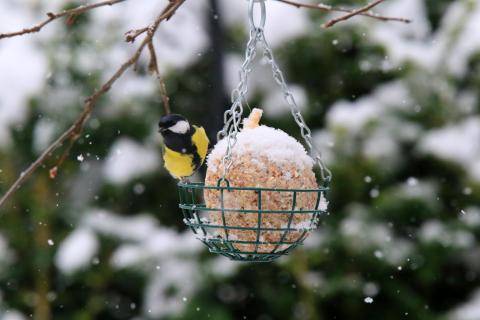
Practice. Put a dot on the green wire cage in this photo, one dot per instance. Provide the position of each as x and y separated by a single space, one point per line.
217 236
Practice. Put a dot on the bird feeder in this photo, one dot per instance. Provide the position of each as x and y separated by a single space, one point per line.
260 198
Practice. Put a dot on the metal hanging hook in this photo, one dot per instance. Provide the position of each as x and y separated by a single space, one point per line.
263 14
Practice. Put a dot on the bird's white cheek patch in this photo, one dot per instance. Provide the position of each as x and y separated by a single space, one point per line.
180 127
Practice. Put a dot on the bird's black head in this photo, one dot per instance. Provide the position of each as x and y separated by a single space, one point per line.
174 123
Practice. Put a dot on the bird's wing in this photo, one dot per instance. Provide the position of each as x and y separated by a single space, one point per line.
201 141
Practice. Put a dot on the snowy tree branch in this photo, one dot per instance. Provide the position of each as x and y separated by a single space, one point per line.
364 11
70 14
74 131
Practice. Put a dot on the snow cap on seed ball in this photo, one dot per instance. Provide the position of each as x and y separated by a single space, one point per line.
260 140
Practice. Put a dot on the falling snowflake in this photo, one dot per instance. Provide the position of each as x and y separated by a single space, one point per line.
368 300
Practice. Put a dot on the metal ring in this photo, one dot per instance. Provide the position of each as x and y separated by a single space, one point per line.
263 14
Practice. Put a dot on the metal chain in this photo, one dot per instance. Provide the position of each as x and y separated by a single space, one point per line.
305 131
232 117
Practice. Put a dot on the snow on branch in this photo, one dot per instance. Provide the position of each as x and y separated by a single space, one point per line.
350 13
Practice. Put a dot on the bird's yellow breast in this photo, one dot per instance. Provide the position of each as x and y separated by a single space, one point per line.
183 164
178 164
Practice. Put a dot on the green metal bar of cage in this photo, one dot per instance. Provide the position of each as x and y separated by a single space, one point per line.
230 188
186 212
255 211
216 226
259 218
290 218
251 242
223 213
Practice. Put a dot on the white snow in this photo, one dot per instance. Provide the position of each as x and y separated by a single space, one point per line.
371 122
235 12
471 217
178 42
436 231
174 257
449 48
180 275
128 159
374 108
260 79
361 234
76 251
22 76
418 189
469 310
168 258
275 105
353 116
130 228
275 144
371 289
167 242
381 146
323 204
432 231
43 134
220 267
129 89
459 143
12 315
128 256
6 254
468 42
406 42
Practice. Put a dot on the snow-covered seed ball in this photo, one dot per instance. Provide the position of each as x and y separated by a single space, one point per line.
263 157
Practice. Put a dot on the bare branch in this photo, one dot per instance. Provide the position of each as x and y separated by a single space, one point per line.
70 14
329 8
131 35
356 12
73 133
153 67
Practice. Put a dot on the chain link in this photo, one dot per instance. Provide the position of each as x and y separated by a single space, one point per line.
233 116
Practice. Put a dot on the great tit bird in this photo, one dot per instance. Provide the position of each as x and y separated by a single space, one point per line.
185 145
